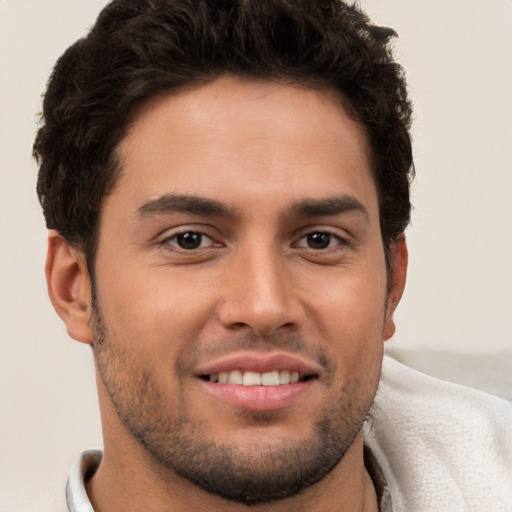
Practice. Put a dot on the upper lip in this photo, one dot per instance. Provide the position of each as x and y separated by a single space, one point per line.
260 362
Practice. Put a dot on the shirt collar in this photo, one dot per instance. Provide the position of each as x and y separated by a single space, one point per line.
379 481
81 471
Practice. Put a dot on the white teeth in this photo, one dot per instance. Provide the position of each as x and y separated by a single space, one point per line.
270 378
252 379
235 377
284 377
273 378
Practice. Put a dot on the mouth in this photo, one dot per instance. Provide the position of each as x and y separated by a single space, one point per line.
252 378
262 382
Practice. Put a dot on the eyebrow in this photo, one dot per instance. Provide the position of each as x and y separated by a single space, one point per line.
171 203
328 206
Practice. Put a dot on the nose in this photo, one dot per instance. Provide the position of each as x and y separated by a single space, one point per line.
260 294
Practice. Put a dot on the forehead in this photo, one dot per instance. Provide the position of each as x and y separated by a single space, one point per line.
233 139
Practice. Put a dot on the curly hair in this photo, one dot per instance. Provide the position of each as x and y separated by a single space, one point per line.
140 48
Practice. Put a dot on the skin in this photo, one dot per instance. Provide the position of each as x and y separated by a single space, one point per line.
256 285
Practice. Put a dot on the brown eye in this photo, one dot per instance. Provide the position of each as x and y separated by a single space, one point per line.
319 240
190 240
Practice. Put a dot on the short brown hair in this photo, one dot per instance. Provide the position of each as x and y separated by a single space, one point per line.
140 48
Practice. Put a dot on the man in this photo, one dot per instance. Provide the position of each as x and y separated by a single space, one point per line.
227 188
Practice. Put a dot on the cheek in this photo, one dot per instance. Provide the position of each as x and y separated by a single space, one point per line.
154 311
351 301
351 322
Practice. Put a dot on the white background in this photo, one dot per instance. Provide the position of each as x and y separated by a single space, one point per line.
457 54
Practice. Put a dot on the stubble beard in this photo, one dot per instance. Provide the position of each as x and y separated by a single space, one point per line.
180 445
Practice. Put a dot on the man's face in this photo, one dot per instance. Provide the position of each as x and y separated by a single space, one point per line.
242 246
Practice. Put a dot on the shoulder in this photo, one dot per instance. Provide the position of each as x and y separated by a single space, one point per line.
442 446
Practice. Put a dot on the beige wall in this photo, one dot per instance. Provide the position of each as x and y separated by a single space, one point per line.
457 54
459 296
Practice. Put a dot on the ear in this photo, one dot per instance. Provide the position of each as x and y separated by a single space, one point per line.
69 287
398 262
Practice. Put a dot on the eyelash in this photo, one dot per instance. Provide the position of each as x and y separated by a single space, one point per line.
168 240
200 236
340 241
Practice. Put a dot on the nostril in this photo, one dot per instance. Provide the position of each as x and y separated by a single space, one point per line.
239 325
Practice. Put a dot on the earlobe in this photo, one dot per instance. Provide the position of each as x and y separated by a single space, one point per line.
69 287
399 260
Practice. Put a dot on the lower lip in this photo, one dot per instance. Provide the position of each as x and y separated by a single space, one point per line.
259 398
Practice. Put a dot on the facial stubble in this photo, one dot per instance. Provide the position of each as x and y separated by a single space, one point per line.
253 474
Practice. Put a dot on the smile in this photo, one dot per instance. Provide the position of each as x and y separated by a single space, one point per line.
260 381
250 378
